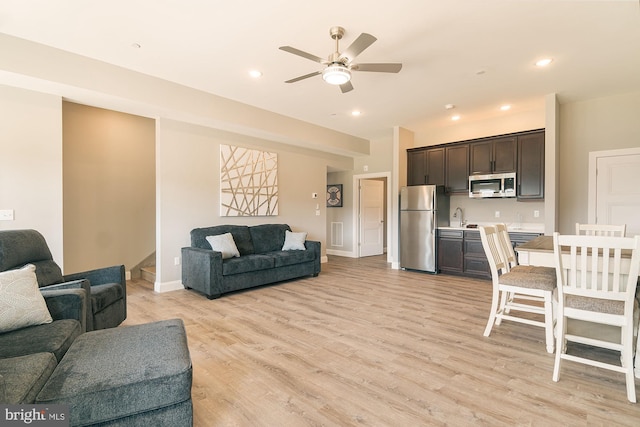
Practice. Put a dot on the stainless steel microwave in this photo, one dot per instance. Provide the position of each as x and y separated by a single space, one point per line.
492 185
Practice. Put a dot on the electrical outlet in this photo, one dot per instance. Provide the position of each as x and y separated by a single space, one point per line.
317 213
497 214
536 214
176 261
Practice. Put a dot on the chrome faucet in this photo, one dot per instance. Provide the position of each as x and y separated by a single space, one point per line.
458 214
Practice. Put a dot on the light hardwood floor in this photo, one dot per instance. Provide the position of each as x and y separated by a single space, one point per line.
366 345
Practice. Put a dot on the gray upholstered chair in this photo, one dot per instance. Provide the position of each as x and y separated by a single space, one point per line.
105 287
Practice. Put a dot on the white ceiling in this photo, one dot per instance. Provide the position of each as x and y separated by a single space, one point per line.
475 54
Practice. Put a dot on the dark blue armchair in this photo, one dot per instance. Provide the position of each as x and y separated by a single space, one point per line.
105 287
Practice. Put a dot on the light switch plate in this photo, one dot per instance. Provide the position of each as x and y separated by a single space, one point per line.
6 215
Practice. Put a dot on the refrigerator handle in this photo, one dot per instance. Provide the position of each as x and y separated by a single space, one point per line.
433 225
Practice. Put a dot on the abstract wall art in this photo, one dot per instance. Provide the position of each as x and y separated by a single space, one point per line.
248 182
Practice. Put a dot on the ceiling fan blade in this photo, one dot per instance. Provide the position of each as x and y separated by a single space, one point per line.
363 41
379 68
347 87
306 76
303 54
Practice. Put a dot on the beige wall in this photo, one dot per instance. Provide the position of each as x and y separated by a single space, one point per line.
31 163
109 188
607 123
188 174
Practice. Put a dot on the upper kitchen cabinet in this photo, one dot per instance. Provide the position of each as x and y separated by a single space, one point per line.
496 155
530 174
425 166
457 168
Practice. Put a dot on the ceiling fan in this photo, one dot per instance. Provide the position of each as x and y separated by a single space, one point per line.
339 65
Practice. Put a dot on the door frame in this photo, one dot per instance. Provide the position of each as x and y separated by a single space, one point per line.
592 206
357 214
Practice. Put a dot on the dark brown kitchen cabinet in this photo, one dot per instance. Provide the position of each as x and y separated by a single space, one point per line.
460 252
496 155
425 166
530 174
450 251
457 168
475 260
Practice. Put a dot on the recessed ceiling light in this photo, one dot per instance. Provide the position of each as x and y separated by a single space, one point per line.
136 45
454 118
255 74
544 62
505 107
449 106
356 113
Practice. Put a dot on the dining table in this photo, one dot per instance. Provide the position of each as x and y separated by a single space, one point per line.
539 251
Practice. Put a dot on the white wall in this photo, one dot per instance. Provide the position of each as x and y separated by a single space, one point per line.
187 189
31 163
606 123
378 163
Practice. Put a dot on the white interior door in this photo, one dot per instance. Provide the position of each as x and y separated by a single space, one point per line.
617 198
371 217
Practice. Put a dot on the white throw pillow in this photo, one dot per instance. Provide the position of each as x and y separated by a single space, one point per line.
224 243
294 241
21 303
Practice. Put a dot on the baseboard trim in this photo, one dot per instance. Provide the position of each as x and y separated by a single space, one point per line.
168 286
341 253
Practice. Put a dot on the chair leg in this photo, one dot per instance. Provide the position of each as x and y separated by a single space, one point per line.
548 322
627 362
492 314
560 348
504 308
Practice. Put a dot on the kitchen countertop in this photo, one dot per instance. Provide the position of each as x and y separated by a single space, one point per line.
525 228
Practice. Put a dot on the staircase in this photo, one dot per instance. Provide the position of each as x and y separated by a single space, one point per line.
148 273
146 269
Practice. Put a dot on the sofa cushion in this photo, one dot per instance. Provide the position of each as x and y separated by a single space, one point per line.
240 233
246 263
104 295
121 372
55 337
22 377
282 258
21 303
268 237
294 241
224 244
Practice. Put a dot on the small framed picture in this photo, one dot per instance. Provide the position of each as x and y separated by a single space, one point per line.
334 196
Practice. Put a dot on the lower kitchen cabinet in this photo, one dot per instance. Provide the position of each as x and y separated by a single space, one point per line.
450 251
460 252
475 261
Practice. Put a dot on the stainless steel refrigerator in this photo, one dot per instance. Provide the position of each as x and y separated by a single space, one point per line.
423 208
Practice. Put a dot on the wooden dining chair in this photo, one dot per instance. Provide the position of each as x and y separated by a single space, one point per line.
597 284
517 291
601 229
512 259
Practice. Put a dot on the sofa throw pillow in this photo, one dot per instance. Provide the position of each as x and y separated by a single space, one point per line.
294 241
21 303
224 243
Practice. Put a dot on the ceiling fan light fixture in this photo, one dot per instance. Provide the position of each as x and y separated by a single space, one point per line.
336 75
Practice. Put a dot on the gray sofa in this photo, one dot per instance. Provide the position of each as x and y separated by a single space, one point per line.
125 376
262 260
28 356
